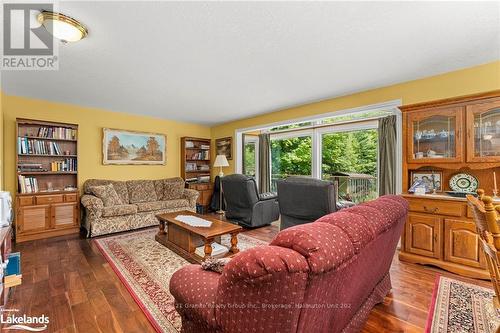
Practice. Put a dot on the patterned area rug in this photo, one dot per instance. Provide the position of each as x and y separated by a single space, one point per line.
145 267
460 307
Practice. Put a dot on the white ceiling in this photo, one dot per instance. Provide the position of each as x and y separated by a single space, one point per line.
213 62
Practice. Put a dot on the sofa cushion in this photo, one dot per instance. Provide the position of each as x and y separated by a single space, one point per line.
120 187
173 188
159 205
141 191
359 230
159 188
119 210
107 194
325 246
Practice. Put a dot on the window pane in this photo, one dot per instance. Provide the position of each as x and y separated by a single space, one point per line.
351 158
249 159
291 156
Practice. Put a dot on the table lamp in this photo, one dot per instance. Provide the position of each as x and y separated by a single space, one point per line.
221 161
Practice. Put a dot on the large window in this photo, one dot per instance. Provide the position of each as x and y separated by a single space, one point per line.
291 155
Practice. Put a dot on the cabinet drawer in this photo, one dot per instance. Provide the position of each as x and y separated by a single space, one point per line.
70 197
437 207
25 201
48 199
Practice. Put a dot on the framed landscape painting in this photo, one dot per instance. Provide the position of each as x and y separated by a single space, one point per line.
224 146
129 147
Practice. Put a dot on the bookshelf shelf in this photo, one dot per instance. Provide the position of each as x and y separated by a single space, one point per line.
47 199
47 155
48 139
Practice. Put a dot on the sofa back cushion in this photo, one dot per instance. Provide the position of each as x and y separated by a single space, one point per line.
141 191
107 194
173 188
119 186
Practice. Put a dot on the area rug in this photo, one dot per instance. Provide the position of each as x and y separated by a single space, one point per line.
460 307
145 267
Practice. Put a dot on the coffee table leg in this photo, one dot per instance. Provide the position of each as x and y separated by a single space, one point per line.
208 248
162 228
234 243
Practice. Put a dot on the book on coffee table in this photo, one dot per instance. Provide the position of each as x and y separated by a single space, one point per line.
217 250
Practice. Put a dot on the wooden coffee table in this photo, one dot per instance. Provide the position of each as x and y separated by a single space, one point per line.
183 239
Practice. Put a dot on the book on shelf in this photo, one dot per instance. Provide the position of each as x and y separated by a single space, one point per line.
28 184
57 133
28 146
27 167
202 155
69 164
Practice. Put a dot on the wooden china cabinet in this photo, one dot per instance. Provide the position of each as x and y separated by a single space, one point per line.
448 137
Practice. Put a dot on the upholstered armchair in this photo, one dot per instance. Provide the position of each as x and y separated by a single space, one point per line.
244 204
305 199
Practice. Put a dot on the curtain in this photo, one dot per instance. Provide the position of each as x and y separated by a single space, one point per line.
243 157
387 155
264 163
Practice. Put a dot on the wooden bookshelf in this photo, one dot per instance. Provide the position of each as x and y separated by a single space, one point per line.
47 199
196 163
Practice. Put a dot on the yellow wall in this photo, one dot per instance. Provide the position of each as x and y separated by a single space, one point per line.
91 121
467 81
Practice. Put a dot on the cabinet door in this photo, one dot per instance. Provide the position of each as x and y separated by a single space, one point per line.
33 218
462 244
483 132
423 235
435 135
64 215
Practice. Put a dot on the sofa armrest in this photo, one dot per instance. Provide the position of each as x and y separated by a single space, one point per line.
268 196
195 293
92 204
191 195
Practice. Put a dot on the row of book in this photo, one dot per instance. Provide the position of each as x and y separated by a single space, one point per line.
28 184
202 155
31 146
69 164
57 133
191 144
30 167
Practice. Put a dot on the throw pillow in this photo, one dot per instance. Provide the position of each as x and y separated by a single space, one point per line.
173 188
107 194
141 191
215 264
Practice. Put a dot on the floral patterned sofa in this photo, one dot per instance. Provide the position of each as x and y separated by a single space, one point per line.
133 204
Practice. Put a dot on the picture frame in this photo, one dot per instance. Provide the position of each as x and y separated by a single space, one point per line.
126 147
425 178
224 146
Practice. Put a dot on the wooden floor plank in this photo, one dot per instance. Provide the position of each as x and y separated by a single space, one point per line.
68 279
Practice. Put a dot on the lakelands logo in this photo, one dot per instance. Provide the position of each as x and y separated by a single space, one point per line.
26 43
11 321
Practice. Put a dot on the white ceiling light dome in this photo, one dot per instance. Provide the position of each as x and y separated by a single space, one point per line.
62 27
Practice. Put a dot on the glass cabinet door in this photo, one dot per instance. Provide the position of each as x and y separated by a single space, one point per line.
483 132
434 136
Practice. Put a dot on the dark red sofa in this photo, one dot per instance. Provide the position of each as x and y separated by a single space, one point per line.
324 276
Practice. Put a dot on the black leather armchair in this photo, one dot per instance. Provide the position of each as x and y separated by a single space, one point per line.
305 199
245 205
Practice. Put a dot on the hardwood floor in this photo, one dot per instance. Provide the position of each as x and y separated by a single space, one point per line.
67 279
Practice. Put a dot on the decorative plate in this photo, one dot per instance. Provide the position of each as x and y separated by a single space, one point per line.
463 182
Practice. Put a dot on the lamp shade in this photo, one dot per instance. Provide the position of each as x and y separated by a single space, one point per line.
221 161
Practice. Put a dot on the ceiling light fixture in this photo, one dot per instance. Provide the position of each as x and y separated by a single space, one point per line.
62 27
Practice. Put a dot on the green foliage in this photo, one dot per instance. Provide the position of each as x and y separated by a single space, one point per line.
345 151
249 159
